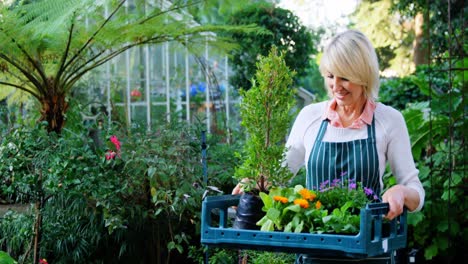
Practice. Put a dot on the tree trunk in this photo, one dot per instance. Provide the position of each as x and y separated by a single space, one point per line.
420 49
54 107
38 222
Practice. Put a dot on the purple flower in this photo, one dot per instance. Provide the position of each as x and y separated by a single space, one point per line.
335 182
368 191
352 185
376 197
343 173
324 184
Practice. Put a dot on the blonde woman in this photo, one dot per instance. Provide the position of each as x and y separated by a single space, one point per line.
352 134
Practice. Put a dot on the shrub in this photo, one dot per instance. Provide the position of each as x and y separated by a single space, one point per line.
99 200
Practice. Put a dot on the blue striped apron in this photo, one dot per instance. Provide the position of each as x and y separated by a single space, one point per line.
352 160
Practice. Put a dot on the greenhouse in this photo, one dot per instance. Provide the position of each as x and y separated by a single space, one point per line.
232 131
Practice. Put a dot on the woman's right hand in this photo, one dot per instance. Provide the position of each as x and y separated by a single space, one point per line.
239 189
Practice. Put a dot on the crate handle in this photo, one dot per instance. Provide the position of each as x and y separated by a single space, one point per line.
378 208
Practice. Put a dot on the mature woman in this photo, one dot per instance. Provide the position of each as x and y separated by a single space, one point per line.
351 133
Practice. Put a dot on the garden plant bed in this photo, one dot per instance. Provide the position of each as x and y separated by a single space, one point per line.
376 235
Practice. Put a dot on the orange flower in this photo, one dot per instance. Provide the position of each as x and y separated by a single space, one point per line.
281 199
302 203
318 204
307 194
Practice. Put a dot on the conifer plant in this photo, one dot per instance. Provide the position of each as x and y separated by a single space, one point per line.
266 112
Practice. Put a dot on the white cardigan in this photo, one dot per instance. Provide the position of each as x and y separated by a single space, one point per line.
393 143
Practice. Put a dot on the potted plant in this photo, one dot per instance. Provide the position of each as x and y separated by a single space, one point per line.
266 115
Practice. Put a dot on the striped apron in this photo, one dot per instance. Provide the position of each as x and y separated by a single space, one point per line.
353 160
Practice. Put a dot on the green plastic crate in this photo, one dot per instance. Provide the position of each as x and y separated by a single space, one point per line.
376 237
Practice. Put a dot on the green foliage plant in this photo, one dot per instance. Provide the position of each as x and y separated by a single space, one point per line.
437 128
286 33
97 205
266 116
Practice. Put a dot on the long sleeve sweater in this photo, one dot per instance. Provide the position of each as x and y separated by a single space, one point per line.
393 143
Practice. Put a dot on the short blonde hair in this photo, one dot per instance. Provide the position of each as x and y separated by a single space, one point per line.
351 55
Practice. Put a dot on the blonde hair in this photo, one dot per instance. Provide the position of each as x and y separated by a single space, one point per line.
351 55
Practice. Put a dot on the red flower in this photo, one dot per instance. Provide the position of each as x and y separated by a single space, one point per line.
116 142
110 155
135 93
43 261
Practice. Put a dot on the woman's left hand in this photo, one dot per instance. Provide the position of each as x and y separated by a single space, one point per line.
395 196
400 196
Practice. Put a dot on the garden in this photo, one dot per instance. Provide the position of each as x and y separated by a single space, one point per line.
119 119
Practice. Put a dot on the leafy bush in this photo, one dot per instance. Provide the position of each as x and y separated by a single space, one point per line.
438 130
287 34
97 206
399 92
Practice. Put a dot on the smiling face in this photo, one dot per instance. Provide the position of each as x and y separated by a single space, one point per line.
344 91
350 55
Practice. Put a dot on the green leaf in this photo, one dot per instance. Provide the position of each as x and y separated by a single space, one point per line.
151 172
415 218
294 207
262 221
273 214
267 200
431 251
326 219
346 206
299 227
171 245
6 259
179 248
268 226
298 188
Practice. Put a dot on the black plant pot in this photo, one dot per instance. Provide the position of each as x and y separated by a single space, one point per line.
249 212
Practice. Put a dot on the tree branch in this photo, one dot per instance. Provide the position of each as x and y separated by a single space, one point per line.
26 73
21 88
94 62
65 54
37 66
76 55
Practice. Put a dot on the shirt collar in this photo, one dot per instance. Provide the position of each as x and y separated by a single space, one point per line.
365 117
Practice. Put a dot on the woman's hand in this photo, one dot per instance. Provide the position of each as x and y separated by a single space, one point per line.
399 196
239 189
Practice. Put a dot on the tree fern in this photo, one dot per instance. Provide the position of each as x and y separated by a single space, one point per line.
49 45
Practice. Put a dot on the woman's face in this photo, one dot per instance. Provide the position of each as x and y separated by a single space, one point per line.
344 91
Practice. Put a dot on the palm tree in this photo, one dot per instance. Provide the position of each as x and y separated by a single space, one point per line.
47 46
